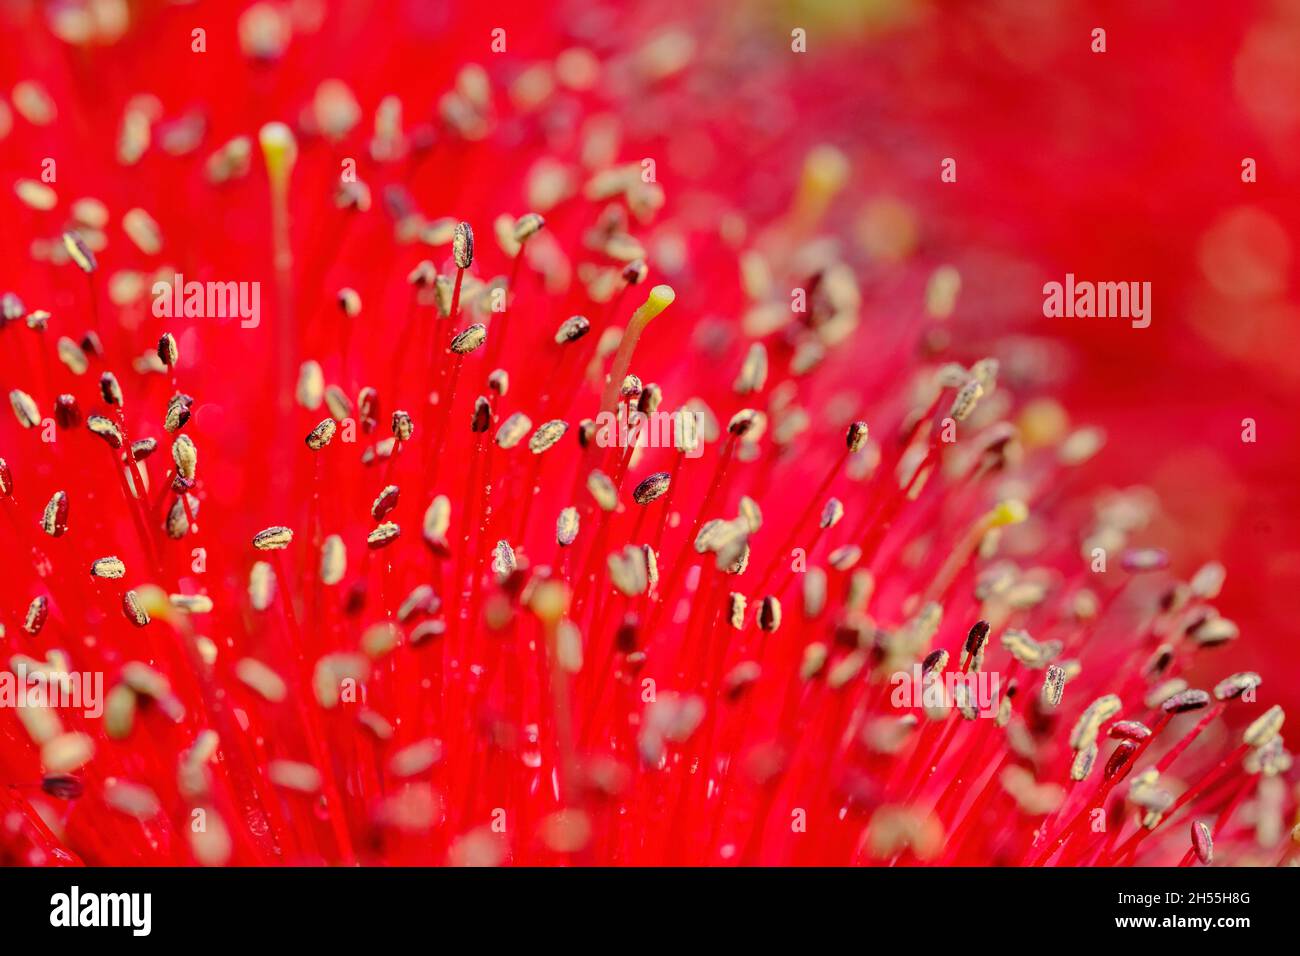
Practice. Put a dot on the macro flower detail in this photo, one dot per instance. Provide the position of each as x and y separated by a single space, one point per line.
868 603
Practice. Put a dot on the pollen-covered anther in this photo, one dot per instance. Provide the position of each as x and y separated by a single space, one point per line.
54 521
1133 730
294 775
261 585
1053 686
437 519
426 632
381 450
856 437
1213 631
63 786
6 479
66 753
72 355
368 408
423 275
349 302
421 601
1119 759
38 320
976 637
1207 582
462 245
527 226
79 252
185 456
333 560
1083 762
1202 842
416 758
1235 685
382 536
848 667
178 413
572 329
512 431
1185 702
168 352
965 400
38 612
1265 727
844 557
110 389
322 434
935 662
470 339
11 308
651 488
736 605
1157 695
603 490
32 194
747 423
403 427
753 371
384 502
25 409
547 434
337 402
832 513
1090 721
481 418
636 272
750 513
628 572
566 527
191 603
143 230
504 562
67 413
275 538
310 390
134 610
985 371
444 291
177 524
110 568
769 614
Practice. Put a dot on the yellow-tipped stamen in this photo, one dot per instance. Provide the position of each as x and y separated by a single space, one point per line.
1003 514
825 171
280 152
660 297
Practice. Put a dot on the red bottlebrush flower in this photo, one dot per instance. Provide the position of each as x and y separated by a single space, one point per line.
701 534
